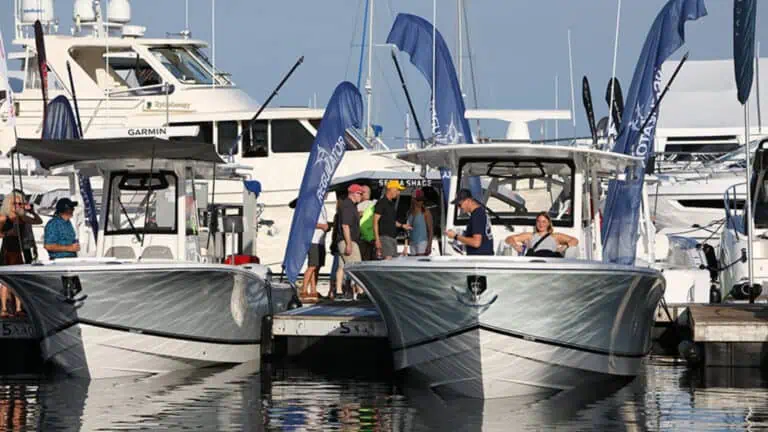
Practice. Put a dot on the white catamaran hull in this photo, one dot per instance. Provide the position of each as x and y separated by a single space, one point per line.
528 329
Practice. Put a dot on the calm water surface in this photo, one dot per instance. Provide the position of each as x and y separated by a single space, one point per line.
666 397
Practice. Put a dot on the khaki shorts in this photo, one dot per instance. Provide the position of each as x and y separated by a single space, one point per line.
355 257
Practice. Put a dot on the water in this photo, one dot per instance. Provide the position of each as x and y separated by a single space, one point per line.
666 397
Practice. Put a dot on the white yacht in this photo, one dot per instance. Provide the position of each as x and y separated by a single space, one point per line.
501 326
129 85
150 301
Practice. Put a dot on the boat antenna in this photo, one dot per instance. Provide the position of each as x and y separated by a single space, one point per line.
277 89
570 68
664 92
362 44
458 45
369 79
757 83
408 97
557 106
74 99
613 70
213 40
186 19
471 63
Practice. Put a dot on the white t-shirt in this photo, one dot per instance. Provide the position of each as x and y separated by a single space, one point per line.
363 205
319 236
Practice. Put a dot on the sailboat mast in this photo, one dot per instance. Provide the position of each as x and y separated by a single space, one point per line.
459 8
368 81
613 70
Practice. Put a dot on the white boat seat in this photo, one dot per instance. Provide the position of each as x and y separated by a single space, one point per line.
157 252
121 252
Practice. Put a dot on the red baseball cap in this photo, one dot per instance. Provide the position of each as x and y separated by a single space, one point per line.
355 188
418 194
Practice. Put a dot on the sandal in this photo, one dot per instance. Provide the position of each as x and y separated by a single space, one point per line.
5 314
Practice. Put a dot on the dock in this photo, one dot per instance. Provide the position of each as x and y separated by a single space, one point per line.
20 345
729 335
338 323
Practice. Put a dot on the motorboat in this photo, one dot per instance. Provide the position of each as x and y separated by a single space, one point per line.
151 301
130 85
733 249
503 326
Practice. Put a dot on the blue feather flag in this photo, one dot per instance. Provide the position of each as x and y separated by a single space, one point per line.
413 35
60 123
344 111
622 207
744 15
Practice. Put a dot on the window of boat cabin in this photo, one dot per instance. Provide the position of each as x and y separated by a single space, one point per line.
255 139
517 190
121 71
186 67
138 205
32 80
228 136
290 136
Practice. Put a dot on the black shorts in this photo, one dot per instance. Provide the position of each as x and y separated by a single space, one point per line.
316 255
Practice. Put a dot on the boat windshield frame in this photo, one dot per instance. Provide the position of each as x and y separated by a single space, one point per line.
167 180
566 217
192 69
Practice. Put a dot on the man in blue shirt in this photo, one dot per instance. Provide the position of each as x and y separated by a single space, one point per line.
478 237
60 239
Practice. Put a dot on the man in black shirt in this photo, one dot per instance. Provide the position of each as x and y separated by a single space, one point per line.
478 237
385 222
349 235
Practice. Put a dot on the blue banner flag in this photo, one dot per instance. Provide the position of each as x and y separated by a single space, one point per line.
344 111
744 14
413 35
622 206
60 123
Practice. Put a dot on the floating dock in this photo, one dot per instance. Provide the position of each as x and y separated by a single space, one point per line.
298 330
729 335
20 345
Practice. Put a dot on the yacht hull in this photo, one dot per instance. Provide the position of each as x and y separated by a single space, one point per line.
529 329
134 319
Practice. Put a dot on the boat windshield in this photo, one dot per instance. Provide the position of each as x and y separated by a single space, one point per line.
517 190
186 67
140 206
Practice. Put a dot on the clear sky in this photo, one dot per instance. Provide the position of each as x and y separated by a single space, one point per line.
518 47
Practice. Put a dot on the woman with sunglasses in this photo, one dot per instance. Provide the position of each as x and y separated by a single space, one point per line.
419 240
15 216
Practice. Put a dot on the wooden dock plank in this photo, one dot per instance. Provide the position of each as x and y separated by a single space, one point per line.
729 323
334 319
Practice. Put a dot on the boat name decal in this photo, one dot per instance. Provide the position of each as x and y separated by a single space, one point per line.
331 160
147 131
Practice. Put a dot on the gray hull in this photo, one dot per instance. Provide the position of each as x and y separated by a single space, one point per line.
536 328
130 318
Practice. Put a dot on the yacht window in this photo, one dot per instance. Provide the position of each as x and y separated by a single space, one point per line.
255 142
708 203
197 52
517 190
290 136
205 134
33 77
109 72
186 67
227 131
128 212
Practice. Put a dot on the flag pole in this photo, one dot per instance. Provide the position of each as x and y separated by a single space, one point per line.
748 207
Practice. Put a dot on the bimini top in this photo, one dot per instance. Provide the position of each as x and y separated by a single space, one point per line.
448 156
56 153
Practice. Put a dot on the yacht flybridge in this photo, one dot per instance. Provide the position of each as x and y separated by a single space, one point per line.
128 86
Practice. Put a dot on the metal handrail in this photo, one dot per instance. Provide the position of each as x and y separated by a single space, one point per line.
731 218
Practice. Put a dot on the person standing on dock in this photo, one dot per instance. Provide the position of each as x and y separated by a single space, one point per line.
366 208
349 248
478 237
316 259
59 238
16 217
385 222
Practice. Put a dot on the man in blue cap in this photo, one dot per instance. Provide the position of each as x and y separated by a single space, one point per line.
60 239
478 237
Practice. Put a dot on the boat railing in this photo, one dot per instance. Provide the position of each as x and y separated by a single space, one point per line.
733 219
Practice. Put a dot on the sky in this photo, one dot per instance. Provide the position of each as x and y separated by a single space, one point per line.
518 49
